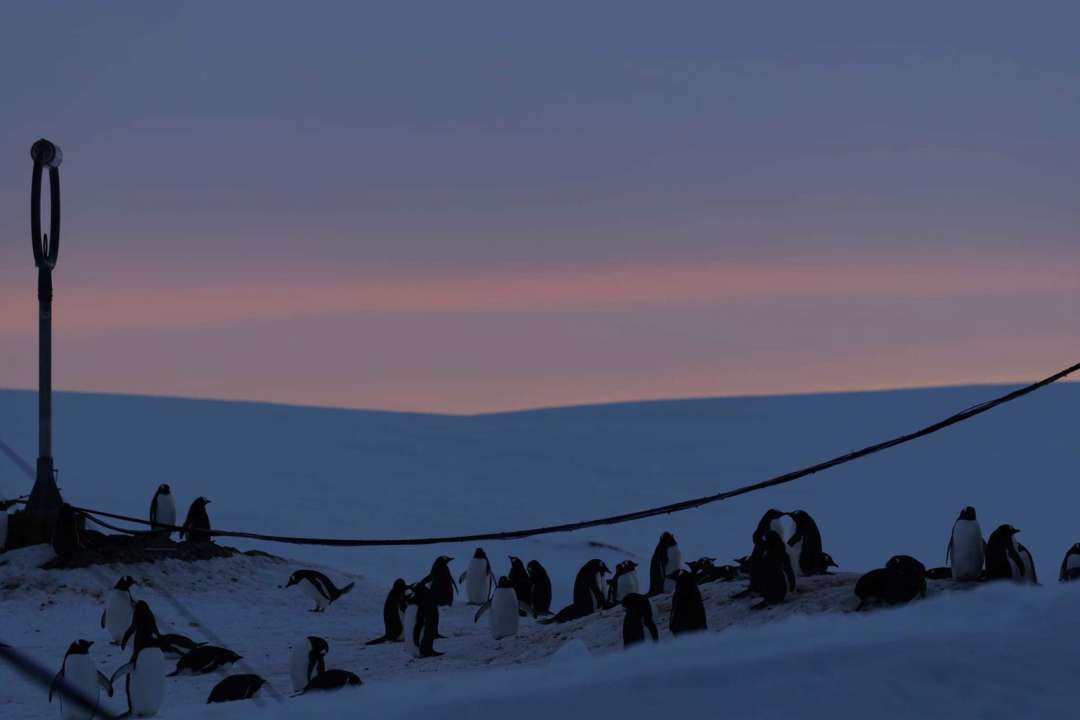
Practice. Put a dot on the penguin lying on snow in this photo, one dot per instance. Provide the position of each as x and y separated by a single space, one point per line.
638 619
205 659
197 524
119 607
79 675
966 550
236 687
318 587
901 580
705 570
541 588
331 680
588 595
503 605
393 614
1070 565
666 559
687 608
623 582
307 660
441 582
477 578
1003 558
178 644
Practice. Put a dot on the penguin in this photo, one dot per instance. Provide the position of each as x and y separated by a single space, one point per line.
477 579
441 582
204 659
1070 565
901 580
235 687
331 680
522 584
638 618
163 508
119 605
393 614
144 674
1002 556
177 644
771 574
806 545
503 605
421 622
1028 575
78 674
666 559
143 628
687 607
541 588
966 550
307 660
318 587
771 520
197 524
623 583
588 596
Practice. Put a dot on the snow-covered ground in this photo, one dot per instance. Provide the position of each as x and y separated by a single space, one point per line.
995 652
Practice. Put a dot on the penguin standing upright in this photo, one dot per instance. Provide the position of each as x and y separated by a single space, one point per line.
966 550
144 674
1070 564
588 593
119 606
771 574
1027 572
197 523
441 582
163 508
421 622
393 614
1002 556
318 587
307 660
805 544
79 674
624 582
503 617
522 584
771 520
687 607
541 588
638 618
666 559
477 579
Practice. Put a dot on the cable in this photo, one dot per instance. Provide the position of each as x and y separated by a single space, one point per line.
959 417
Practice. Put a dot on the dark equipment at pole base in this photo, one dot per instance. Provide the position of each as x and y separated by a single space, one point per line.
44 505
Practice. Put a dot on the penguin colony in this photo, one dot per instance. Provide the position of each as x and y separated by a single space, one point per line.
411 611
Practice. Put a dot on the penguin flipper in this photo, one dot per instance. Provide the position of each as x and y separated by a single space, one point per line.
105 684
378 641
483 608
121 671
54 683
103 613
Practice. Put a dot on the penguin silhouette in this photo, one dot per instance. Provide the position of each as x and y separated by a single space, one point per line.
178 644
522 584
623 582
332 680
807 539
1070 564
687 607
197 523
236 687
588 595
638 619
666 559
393 614
119 609
966 552
163 508
441 582
318 587
143 629
425 621
771 574
204 659
477 578
541 588
901 580
1003 558
79 683
307 660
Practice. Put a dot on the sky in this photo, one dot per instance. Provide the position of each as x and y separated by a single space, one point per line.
490 206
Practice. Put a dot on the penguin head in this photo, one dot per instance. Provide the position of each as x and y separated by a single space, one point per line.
480 554
228 656
351 678
599 566
1009 530
443 560
164 489
318 645
535 567
667 540
515 560
399 586
967 513
827 559
630 565
80 647
200 502
1075 549
796 515
125 583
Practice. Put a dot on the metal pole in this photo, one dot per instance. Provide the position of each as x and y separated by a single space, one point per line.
44 503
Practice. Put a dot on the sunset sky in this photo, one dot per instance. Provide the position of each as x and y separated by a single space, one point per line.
486 206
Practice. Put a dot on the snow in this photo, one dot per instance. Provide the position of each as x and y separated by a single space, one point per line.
344 473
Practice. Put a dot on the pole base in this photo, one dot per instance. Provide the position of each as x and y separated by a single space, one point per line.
45 501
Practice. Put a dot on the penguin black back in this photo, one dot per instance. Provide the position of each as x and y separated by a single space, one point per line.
197 524
657 567
520 580
162 489
765 524
638 619
426 628
1070 564
393 608
771 574
1000 549
441 581
205 659
143 627
812 561
332 680
236 687
541 588
687 607
588 592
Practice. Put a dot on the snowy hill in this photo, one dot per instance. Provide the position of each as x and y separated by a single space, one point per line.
321 472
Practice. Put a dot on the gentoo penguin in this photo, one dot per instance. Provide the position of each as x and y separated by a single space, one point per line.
687 608
307 660
771 574
771 520
393 614
441 582
623 583
144 674
1028 575
119 605
806 544
966 549
522 584
421 622
503 606
901 580
143 628
197 524
1002 556
666 559
1070 565
79 683
477 579
236 687
638 618
163 508
204 659
178 644
541 589
318 587
331 680
588 595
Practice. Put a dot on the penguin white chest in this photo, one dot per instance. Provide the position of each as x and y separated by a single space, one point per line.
166 510
411 648
81 673
313 592
671 564
298 666
147 683
503 616
967 550
118 612
1029 566
628 583
476 581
